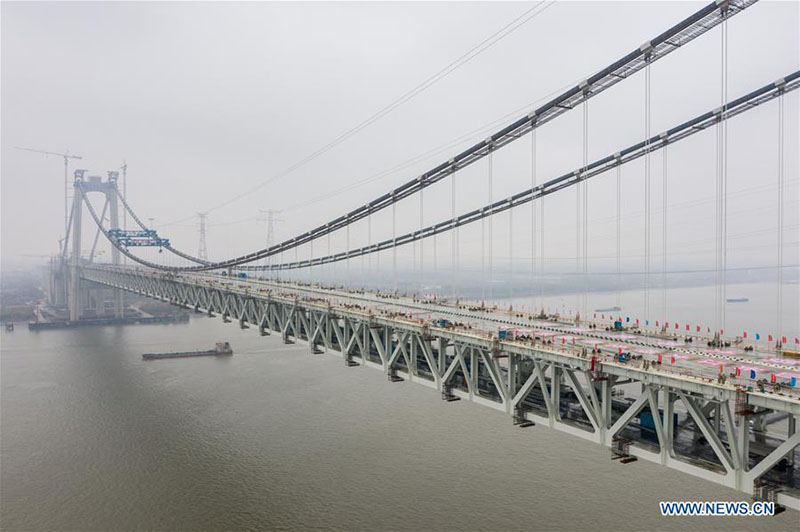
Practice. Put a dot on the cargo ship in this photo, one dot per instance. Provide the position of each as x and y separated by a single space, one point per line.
222 349
609 309
85 322
737 299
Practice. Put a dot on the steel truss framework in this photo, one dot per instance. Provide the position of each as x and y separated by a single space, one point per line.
539 384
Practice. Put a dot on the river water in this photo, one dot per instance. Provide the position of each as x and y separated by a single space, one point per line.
94 438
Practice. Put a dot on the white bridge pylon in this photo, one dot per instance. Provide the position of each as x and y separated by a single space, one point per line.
83 186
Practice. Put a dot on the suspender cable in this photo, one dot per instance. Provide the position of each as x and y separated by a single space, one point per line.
369 242
510 254
421 244
489 228
724 168
664 234
718 229
541 255
454 237
578 241
533 223
585 232
619 230
332 270
781 150
394 246
435 259
483 257
647 96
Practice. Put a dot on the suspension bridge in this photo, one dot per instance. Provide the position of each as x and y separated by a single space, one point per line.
704 400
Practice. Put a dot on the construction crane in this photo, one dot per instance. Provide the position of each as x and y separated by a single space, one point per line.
67 156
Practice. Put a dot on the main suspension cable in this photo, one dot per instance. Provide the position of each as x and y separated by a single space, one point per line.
676 37
684 130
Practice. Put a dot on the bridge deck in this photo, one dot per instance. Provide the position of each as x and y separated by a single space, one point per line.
730 430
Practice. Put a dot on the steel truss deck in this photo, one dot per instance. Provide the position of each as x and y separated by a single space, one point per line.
543 384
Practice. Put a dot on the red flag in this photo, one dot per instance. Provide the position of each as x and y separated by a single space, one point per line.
769 337
783 339
738 371
656 323
698 328
772 378
659 359
720 369
676 324
666 325
796 340
672 360
637 321
619 350
745 335
687 326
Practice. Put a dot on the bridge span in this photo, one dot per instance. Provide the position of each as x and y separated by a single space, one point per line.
642 396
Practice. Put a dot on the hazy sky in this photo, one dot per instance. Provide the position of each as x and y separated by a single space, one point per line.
206 100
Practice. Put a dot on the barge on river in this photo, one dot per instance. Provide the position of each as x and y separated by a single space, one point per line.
222 349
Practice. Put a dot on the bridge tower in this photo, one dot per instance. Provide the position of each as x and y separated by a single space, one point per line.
78 294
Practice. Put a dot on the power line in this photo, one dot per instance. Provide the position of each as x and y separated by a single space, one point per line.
473 52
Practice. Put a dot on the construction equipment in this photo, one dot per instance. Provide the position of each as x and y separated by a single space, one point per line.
66 157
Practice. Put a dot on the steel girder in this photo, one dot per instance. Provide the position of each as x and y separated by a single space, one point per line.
545 385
